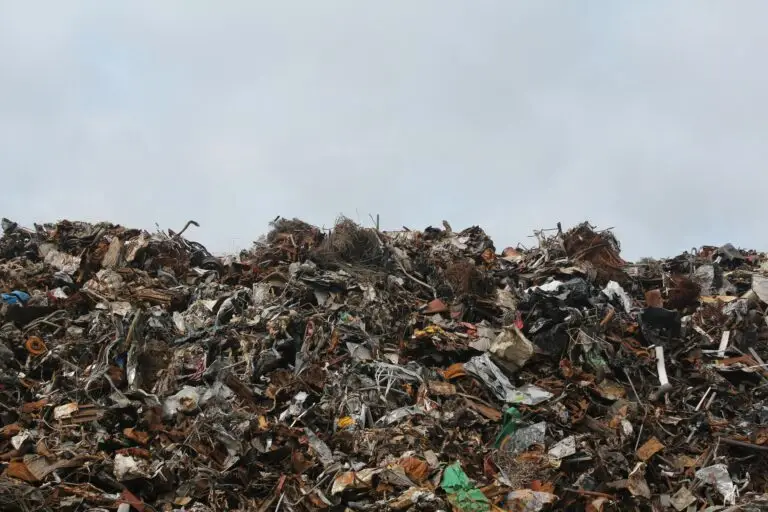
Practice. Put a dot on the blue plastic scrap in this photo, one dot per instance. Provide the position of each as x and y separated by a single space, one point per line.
15 297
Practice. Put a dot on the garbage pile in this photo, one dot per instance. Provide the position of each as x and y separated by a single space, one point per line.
356 369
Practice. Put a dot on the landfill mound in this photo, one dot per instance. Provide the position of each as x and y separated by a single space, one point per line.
356 369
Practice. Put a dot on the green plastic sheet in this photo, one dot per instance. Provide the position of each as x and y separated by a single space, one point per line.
461 493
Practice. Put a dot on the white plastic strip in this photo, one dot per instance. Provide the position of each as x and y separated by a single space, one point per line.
660 366
723 343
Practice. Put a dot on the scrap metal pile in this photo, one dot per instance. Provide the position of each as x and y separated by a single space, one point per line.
355 369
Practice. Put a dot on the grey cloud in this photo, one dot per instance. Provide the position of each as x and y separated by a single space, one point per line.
512 115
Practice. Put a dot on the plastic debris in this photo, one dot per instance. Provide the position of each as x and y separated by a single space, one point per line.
512 346
129 468
613 290
15 297
464 496
186 400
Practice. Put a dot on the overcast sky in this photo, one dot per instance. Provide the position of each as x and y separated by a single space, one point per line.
649 116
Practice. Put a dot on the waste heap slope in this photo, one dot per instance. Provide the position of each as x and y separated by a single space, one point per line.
357 369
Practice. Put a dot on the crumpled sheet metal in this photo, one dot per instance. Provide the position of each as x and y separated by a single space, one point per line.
524 438
485 370
718 477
